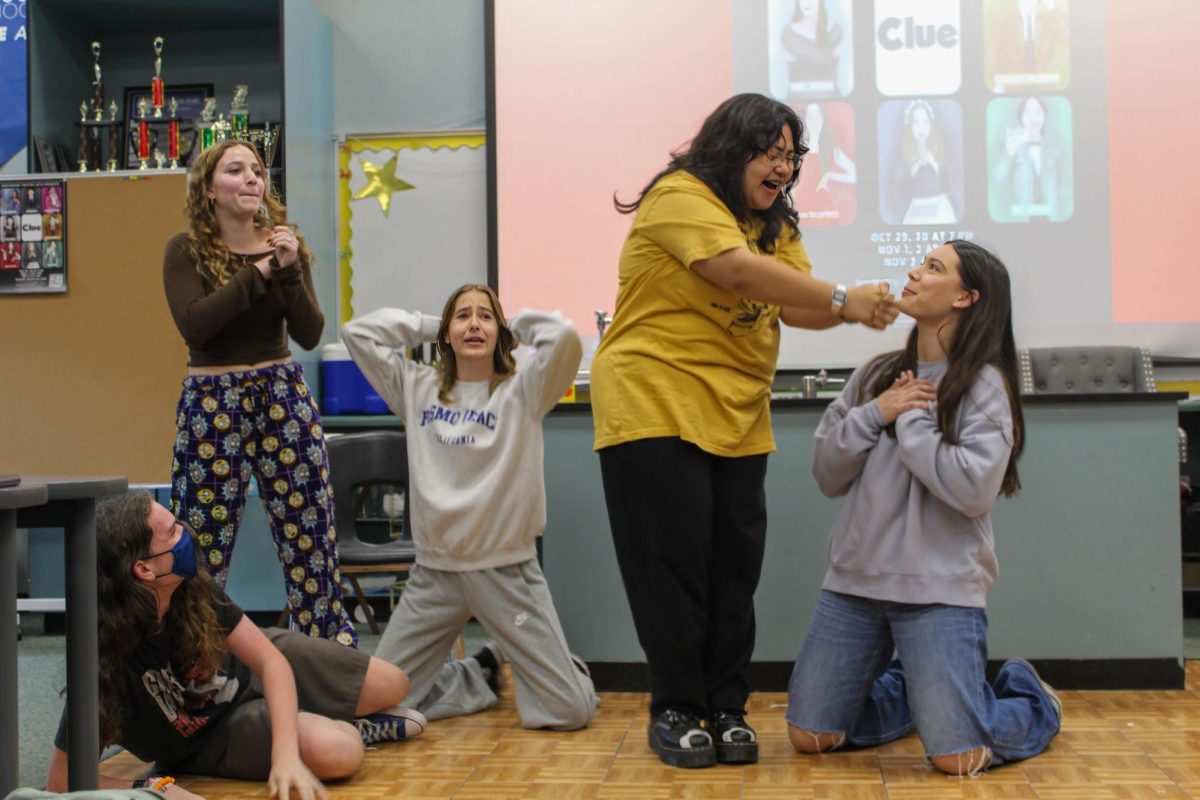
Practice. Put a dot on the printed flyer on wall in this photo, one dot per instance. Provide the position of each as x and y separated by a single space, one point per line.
33 249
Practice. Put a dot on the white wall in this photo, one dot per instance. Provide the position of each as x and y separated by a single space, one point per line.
407 65
403 66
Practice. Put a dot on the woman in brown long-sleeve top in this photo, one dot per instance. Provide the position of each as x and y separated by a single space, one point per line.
238 283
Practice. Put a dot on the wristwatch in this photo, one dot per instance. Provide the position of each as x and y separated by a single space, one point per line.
838 301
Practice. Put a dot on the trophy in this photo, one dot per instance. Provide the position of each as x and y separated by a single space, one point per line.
239 112
97 84
143 134
267 138
220 129
83 136
158 158
156 85
114 136
206 123
173 134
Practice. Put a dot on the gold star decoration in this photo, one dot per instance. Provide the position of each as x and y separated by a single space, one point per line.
381 182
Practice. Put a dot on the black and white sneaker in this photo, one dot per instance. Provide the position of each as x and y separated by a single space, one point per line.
393 724
733 738
680 741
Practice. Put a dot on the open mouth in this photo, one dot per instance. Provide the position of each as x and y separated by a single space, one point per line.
772 185
479 340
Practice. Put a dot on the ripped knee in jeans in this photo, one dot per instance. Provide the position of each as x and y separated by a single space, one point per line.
970 762
812 742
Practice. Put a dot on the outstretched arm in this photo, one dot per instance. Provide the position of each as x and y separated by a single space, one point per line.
763 278
250 646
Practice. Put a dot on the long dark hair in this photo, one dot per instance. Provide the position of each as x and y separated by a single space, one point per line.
984 336
502 358
741 128
128 608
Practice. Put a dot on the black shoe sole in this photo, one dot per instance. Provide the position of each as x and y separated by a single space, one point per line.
685 759
737 752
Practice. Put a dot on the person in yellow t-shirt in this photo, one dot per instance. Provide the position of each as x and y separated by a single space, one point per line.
681 389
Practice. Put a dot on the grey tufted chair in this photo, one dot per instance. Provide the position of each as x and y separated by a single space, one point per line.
1063 370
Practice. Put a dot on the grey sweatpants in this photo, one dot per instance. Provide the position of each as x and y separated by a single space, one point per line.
513 603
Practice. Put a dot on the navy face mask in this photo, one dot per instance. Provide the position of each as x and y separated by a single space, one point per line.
185 556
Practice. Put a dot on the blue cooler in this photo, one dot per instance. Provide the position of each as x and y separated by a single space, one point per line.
344 390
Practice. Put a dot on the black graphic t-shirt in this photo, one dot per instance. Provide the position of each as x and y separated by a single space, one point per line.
169 710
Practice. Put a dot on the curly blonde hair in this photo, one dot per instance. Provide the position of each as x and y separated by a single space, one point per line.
211 254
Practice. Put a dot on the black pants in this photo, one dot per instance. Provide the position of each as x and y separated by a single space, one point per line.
689 529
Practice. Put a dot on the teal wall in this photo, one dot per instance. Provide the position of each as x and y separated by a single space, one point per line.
1089 551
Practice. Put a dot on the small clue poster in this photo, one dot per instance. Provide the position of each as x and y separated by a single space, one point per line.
33 249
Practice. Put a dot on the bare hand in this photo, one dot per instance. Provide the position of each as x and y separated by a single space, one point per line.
286 244
907 393
291 774
871 305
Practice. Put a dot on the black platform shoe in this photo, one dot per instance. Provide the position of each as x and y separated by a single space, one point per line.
680 741
733 738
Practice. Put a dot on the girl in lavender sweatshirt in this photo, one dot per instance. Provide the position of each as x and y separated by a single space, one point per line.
921 442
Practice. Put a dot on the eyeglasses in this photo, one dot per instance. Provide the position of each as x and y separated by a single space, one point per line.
776 154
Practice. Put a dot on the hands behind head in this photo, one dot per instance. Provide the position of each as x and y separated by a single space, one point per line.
907 393
872 305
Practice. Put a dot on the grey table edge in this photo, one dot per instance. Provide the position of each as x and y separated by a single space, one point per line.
21 496
71 505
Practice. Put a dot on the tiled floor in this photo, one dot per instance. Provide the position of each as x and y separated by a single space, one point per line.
1114 746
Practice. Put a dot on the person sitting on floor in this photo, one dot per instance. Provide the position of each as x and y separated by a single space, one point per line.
188 681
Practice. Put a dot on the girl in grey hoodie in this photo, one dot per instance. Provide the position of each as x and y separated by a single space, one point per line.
921 442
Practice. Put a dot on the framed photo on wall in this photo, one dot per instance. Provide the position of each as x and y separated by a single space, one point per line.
191 102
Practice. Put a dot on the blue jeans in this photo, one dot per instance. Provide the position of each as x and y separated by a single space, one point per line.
847 681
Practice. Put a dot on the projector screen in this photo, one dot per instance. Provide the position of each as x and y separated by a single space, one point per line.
1058 134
